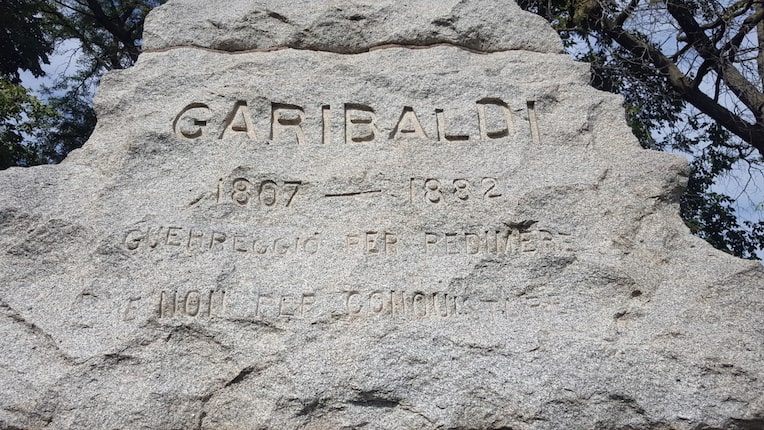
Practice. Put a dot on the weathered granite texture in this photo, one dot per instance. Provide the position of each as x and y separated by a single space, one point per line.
347 26
398 239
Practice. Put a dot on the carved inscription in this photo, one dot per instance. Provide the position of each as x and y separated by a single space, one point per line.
200 240
498 242
286 122
130 309
191 122
267 305
239 120
440 190
407 304
257 194
508 241
534 122
270 194
360 123
353 304
193 304
372 243
492 119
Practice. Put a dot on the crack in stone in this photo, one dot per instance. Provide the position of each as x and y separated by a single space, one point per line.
369 49
15 316
243 374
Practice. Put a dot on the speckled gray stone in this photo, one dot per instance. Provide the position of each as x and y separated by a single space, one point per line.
347 26
428 238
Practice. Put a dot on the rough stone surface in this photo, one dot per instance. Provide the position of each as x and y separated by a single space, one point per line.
347 26
302 239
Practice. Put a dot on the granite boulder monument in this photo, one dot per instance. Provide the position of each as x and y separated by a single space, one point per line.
366 214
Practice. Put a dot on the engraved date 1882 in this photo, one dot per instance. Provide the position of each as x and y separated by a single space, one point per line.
441 190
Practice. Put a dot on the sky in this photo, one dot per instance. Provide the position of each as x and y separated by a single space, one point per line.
62 62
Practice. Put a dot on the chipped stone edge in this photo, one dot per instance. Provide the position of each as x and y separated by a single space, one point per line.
366 50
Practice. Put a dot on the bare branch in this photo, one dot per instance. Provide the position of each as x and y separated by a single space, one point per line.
120 33
739 9
748 24
760 45
66 5
626 13
683 50
703 70
751 97
753 134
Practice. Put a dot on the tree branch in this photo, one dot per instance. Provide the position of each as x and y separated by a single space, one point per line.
739 7
760 44
703 70
72 8
626 13
120 33
753 134
751 97
748 24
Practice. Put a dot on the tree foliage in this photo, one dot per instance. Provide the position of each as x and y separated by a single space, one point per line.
692 76
107 34
24 44
20 112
